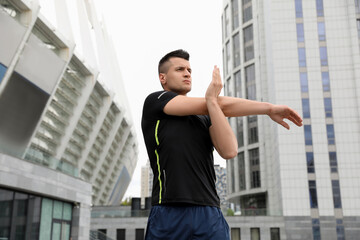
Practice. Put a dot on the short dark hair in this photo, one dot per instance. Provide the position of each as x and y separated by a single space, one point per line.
177 53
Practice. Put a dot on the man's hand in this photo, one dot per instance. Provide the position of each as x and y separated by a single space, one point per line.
279 112
215 86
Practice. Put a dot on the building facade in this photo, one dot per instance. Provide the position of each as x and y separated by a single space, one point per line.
220 184
304 54
146 182
66 135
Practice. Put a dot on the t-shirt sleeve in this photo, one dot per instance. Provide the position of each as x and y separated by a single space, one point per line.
154 104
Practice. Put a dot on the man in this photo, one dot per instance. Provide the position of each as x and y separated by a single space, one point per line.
180 134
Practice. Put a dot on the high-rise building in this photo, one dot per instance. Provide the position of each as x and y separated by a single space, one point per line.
146 182
220 184
66 136
304 54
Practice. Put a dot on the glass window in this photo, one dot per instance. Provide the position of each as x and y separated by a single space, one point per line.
328 107
250 82
340 232
325 81
120 234
227 21
316 232
240 131
238 87
67 213
248 43
241 170
255 233
336 193
235 14
58 209
247 10
228 87
323 56
6 203
254 168
306 107
304 82
330 133
310 162
275 233
46 219
236 49
232 174
313 195
302 57
2 71
298 8
357 6
235 234
358 27
333 161
252 130
321 31
20 213
139 234
308 135
228 58
300 32
319 8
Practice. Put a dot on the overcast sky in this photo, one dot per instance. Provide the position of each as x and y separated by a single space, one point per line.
143 31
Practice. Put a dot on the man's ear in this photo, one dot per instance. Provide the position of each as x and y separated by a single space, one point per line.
162 77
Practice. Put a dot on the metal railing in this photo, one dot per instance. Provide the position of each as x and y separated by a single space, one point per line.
96 235
120 213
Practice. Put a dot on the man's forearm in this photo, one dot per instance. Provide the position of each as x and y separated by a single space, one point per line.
236 107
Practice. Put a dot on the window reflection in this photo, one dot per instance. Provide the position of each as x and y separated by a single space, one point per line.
323 56
298 8
321 31
306 107
300 32
302 57
313 194
325 81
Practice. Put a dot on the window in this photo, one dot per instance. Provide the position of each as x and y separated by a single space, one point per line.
300 32
316 229
306 107
310 162
236 49
227 21
308 135
255 233
325 81
228 58
323 56
252 130
333 161
247 10
120 234
358 26
235 14
250 82
254 168
235 234
302 57
357 6
274 233
304 82
248 43
241 170
330 134
240 131
228 87
319 8
238 87
340 230
336 193
328 107
2 71
313 194
298 8
139 234
232 175
321 31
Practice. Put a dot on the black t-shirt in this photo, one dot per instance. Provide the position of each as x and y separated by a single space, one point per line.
181 154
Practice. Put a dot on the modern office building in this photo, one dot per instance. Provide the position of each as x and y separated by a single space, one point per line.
220 184
146 182
304 54
66 135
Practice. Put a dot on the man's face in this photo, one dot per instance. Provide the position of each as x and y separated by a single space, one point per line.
178 77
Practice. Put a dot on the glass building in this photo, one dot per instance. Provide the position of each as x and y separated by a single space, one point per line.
304 54
66 136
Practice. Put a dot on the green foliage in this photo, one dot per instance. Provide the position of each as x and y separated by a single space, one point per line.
230 212
126 202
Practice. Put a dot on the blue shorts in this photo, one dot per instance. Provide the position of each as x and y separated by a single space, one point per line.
186 223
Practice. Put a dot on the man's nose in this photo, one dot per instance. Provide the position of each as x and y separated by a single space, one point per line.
187 73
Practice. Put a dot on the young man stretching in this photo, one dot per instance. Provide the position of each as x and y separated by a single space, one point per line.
180 134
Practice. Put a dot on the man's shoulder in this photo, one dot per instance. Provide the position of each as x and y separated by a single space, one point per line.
158 95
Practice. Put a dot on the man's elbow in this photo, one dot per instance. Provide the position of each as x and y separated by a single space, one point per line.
229 154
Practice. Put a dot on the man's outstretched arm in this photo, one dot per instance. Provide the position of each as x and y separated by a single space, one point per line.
232 107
